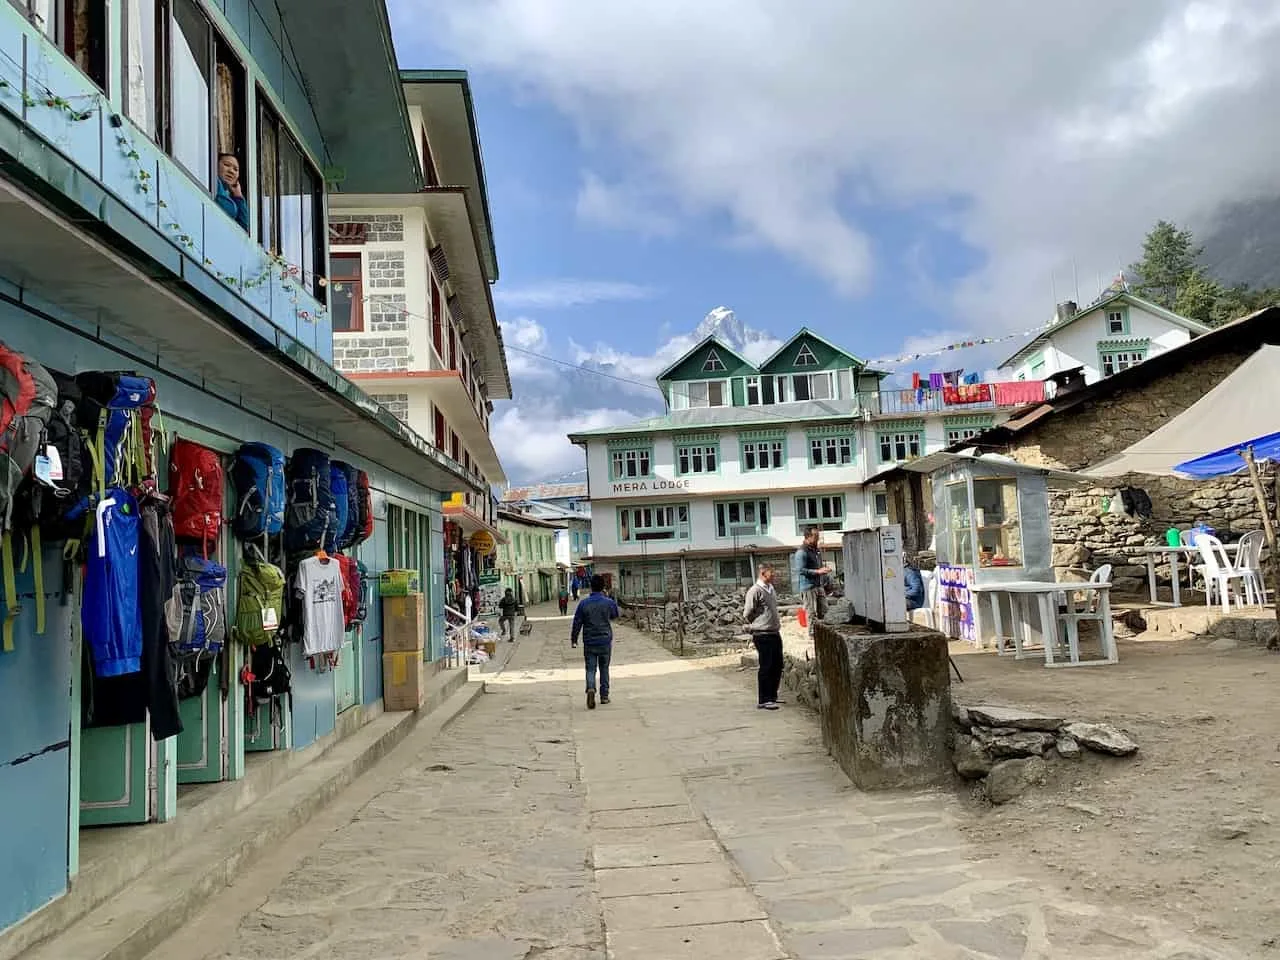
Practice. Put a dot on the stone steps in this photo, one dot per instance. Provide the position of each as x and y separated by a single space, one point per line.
182 871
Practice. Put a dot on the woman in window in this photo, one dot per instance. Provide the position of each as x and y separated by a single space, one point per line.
228 194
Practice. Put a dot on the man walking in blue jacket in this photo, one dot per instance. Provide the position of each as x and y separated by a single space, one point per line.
593 619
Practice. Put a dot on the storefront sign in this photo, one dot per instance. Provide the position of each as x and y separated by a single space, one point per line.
482 542
655 485
455 500
489 578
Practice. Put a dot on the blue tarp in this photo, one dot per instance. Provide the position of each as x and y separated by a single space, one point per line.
1228 461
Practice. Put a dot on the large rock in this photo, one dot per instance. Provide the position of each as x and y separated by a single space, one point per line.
1018 718
1012 778
970 758
1102 738
1068 747
1024 743
1070 555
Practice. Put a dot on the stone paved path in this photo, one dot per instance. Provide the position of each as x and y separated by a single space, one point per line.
677 822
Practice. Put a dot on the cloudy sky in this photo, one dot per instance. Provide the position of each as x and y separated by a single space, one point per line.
887 172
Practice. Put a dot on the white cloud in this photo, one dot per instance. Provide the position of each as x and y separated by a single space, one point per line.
551 294
531 436
1058 136
552 399
622 207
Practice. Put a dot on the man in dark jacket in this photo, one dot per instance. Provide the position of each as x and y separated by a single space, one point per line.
809 573
593 619
507 608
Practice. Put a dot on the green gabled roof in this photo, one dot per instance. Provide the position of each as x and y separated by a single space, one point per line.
700 352
827 354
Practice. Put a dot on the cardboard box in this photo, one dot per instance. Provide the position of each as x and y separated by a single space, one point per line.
399 583
403 623
404 680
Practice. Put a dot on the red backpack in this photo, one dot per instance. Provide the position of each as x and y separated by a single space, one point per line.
364 528
196 486
28 395
350 589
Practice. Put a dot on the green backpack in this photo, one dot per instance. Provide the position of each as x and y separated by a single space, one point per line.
259 599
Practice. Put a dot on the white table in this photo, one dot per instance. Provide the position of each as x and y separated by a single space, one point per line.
1045 595
1173 553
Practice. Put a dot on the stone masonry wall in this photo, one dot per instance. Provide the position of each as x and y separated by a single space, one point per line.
379 228
386 269
1083 534
360 354
396 403
386 313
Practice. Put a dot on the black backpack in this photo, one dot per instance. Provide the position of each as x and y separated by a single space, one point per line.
50 509
271 684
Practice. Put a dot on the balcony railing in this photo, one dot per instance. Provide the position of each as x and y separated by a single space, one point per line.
188 232
956 400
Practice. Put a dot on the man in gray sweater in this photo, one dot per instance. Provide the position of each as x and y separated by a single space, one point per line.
761 614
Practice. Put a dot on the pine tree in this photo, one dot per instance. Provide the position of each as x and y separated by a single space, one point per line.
1169 256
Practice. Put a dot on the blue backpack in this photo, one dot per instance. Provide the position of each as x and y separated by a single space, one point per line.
349 532
197 611
341 507
309 512
258 477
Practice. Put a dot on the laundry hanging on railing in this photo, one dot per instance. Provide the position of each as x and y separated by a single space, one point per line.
969 393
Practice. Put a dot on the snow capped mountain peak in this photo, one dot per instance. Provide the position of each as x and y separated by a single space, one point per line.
723 324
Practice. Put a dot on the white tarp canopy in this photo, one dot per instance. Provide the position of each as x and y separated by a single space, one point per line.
1245 405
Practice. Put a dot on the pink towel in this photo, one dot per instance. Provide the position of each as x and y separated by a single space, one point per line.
1019 392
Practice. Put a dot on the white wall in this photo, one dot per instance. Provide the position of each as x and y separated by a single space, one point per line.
1077 344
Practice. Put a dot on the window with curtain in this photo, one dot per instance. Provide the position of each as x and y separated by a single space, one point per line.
78 27
191 98
268 179
291 198
141 66
347 298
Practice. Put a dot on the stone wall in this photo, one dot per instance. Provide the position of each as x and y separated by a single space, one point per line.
386 313
379 228
396 403
1084 535
386 269
362 354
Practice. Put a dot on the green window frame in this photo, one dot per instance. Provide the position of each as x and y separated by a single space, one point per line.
901 444
959 429
742 518
1115 356
734 570
651 577
644 522
824 511
832 448
632 462
761 452
697 454
1115 321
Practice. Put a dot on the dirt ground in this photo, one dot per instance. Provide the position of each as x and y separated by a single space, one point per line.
1189 828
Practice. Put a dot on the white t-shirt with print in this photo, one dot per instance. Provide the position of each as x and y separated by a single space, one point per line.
320 584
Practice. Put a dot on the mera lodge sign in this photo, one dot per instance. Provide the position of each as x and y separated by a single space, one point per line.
649 485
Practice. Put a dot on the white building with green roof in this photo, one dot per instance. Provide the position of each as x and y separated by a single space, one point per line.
749 455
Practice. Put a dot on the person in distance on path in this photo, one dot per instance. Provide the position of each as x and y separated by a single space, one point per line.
507 608
761 614
593 619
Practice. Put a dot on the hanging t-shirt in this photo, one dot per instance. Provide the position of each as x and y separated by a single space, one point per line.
320 587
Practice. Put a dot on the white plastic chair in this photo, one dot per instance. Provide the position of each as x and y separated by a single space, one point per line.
1249 562
1070 614
1219 572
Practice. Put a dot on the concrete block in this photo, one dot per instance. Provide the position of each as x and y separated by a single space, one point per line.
672 878
886 716
752 940
733 905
